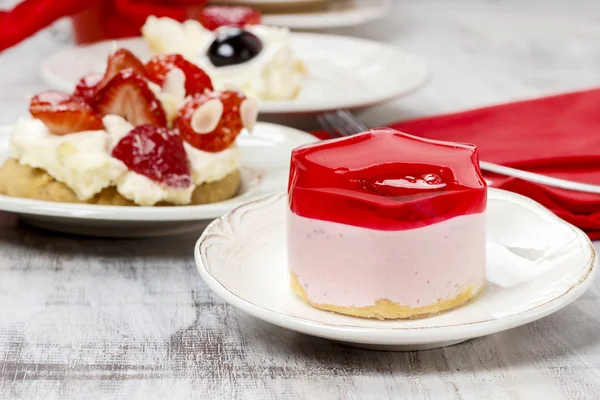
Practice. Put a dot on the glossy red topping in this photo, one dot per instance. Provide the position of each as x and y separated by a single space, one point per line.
214 17
386 180
64 114
229 126
157 153
196 80
128 95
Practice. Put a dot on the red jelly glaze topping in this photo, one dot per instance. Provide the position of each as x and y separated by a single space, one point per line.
386 180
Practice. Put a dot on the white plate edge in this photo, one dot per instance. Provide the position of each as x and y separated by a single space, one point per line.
330 19
415 335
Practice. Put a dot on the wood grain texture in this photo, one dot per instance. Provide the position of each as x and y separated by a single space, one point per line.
84 318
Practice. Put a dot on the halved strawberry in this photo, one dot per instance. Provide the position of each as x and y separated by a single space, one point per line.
216 16
157 153
86 88
118 61
128 95
211 121
63 114
196 80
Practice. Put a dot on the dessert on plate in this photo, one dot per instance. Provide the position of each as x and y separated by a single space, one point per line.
141 134
230 45
386 225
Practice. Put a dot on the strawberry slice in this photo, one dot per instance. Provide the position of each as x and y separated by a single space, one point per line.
212 121
196 80
118 61
217 16
157 153
86 88
64 114
128 95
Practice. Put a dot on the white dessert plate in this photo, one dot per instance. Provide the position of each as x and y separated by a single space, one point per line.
343 72
340 13
265 168
242 258
317 14
269 2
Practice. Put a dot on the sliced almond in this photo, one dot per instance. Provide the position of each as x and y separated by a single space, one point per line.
206 118
249 113
174 83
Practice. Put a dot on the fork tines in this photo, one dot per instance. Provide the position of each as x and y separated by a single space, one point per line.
341 123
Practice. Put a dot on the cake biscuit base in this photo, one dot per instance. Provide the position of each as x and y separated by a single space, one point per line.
17 180
386 309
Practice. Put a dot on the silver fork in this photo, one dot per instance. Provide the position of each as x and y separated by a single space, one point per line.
343 123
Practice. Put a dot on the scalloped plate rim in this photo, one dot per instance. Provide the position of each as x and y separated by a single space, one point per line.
403 336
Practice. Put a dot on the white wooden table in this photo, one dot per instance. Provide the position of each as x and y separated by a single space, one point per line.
85 318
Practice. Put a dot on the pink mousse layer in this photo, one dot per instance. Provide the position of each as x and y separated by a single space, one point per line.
346 265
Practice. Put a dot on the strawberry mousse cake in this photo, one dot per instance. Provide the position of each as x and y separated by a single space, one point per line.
386 225
140 134
234 49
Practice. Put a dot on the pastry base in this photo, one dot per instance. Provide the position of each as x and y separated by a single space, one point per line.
387 309
18 180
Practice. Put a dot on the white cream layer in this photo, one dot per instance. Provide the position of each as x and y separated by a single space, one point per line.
79 160
82 161
351 266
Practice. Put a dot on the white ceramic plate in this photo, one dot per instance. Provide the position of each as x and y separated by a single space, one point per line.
341 13
317 14
265 166
268 2
242 257
344 72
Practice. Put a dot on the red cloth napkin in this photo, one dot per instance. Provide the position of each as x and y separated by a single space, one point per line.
557 136
94 19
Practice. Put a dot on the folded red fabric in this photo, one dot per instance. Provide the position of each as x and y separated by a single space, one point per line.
93 19
557 136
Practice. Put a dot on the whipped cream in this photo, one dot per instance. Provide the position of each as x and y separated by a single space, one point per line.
166 35
211 167
146 192
79 160
274 74
83 162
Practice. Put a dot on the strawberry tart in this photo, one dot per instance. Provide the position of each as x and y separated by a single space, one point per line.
234 49
141 134
386 225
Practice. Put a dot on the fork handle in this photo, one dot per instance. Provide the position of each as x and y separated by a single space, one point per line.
537 178
346 124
